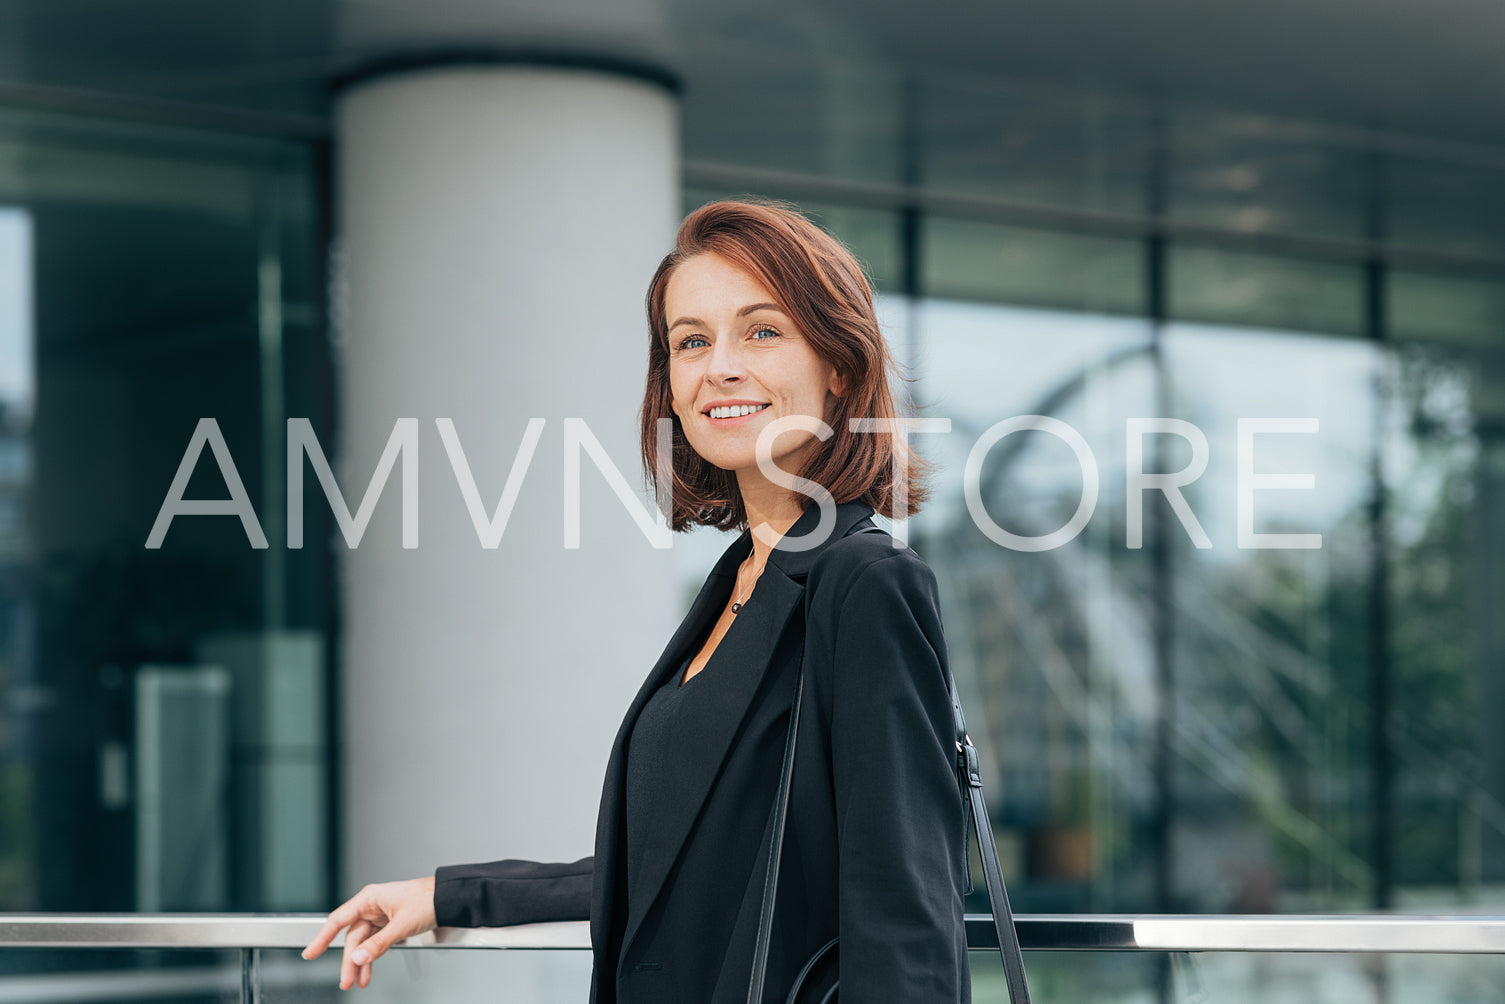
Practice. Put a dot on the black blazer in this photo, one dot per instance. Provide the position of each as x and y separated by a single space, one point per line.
874 846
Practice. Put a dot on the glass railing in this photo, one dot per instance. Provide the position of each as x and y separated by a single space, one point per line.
1113 959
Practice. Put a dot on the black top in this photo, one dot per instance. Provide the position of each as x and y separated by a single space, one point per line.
672 712
648 761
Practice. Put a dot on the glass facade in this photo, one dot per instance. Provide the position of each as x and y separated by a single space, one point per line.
165 737
1277 695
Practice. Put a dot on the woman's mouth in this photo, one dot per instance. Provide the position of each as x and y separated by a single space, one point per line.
730 414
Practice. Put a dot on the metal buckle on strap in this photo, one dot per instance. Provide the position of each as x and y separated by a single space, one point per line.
968 761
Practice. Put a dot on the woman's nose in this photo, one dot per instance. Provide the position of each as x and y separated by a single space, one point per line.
726 362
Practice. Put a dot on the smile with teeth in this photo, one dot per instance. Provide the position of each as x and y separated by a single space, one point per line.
735 410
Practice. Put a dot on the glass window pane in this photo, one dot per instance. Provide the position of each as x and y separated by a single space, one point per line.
1272 666
1448 308
189 975
165 735
1335 978
1445 494
1214 286
966 260
1033 145
1258 175
1046 646
451 975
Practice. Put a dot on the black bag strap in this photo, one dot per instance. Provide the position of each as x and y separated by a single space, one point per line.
775 851
969 778
969 769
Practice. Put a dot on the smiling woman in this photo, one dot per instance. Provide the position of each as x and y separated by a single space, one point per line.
755 292
758 317
740 365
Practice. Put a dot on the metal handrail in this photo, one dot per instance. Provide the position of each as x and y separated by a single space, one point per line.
1454 935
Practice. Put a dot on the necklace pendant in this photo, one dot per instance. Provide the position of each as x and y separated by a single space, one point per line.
736 607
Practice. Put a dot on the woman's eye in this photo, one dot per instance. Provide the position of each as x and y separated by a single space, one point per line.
765 331
692 342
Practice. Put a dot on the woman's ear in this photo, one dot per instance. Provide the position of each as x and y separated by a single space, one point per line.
838 384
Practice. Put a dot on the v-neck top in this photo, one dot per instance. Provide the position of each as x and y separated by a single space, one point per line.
648 757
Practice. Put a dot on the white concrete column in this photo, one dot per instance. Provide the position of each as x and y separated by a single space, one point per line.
498 227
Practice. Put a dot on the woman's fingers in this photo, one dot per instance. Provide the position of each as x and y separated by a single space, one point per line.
366 943
326 935
342 917
349 968
377 917
374 947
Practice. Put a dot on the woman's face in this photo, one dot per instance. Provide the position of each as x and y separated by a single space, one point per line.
736 363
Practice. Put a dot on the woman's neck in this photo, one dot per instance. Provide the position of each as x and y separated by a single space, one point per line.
771 506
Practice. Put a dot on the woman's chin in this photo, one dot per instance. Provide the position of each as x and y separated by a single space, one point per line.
736 466
742 463
729 457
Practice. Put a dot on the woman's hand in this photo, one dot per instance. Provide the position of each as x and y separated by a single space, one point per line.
378 917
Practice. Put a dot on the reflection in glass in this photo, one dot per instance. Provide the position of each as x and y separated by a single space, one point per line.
1249 174
1444 466
969 260
440 975
1220 286
180 975
1271 662
165 740
1047 647
18 670
1033 145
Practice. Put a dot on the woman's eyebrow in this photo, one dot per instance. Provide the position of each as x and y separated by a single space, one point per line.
750 308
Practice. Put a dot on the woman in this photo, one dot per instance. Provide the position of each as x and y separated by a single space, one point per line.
760 323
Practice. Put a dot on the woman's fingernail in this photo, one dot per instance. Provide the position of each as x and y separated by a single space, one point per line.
360 957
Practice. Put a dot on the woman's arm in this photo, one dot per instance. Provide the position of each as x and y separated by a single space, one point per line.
503 893
899 810
497 894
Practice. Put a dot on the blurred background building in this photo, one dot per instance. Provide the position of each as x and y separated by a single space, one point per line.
357 213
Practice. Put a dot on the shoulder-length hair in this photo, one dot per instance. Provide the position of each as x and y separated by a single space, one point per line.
820 285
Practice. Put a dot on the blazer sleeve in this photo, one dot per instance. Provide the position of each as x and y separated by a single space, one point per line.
899 810
503 893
